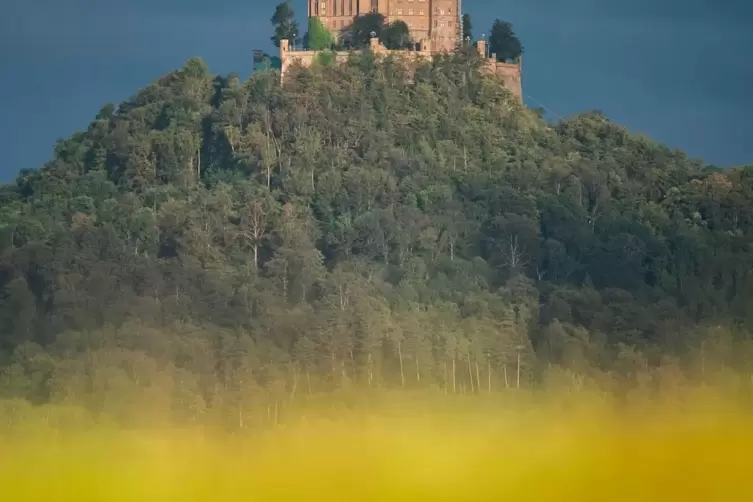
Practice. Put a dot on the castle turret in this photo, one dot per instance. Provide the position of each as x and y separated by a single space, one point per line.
481 48
284 49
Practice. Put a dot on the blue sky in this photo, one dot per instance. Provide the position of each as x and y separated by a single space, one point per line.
681 72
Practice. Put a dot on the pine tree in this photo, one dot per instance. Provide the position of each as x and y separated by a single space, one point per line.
286 27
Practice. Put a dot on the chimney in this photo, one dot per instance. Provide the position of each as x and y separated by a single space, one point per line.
481 48
284 47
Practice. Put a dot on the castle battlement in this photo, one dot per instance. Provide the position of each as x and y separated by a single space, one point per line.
509 73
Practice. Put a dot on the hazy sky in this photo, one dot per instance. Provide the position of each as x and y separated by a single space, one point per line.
680 71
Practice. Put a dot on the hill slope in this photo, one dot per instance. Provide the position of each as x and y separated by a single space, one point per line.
356 225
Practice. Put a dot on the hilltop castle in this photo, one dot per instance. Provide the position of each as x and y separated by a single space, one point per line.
436 25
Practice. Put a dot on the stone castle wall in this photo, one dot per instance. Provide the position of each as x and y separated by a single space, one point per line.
509 73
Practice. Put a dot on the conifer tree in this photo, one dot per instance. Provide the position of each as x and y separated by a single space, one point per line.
286 27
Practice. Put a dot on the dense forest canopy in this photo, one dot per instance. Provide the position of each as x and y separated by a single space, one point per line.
217 242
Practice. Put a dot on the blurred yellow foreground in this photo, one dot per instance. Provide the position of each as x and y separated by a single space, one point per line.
700 449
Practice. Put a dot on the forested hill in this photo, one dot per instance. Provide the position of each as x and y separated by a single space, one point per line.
356 225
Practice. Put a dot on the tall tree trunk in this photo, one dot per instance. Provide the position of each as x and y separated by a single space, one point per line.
295 385
371 371
478 378
198 163
489 374
446 380
470 374
507 383
518 376
400 356
454 387
353 366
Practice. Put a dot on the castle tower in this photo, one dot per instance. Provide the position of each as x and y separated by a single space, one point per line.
433 23
444 25
338 14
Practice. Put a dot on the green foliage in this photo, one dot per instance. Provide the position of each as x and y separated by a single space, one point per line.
504 42
393 36
467 27
363 28
283 20
365 223
325 58
264 62
318 36
396 35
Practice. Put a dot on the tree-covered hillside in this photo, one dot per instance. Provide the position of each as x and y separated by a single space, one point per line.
214 241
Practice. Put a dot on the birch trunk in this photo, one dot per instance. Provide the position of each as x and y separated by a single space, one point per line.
478 378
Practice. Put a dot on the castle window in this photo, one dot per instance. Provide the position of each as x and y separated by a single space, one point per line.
436 23
399 12
410 12
421 12
449 24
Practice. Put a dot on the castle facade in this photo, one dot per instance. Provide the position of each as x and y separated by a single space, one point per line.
435 24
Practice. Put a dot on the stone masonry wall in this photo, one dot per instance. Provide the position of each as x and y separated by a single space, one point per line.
509 73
